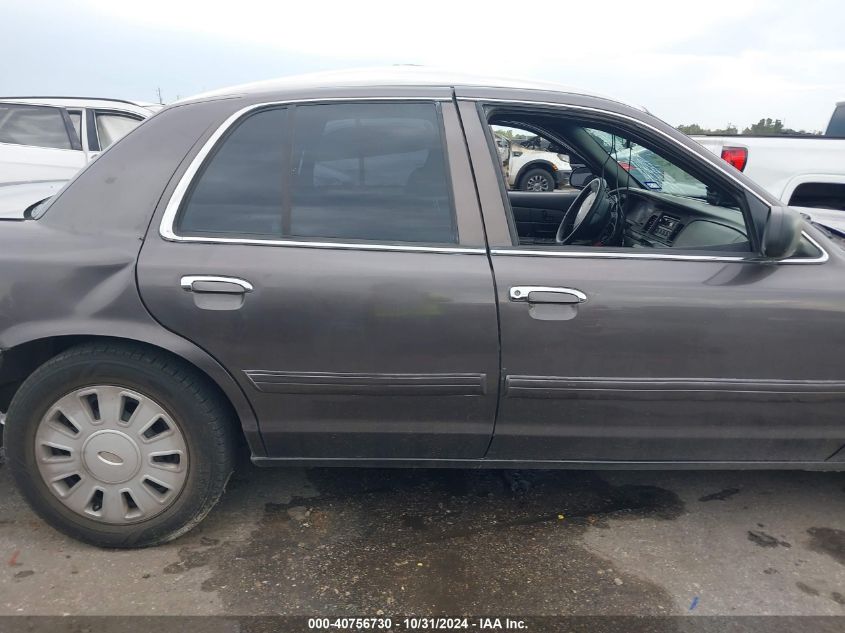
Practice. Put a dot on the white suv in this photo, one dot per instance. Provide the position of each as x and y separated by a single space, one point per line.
532 163
52 138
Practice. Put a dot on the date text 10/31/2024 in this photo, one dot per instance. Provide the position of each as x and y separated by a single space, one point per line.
416 624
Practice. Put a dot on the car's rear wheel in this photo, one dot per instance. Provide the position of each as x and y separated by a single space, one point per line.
537 180
118 445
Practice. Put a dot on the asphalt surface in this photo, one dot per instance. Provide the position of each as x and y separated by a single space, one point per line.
368 542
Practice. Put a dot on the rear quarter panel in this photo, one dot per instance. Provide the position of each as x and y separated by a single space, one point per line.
72 272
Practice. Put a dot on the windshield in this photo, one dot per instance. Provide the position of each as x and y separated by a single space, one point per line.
649 169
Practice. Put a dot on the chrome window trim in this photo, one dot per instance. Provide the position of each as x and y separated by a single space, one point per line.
598 254
362 246
614 255
822 258
567 106
167 232
168 220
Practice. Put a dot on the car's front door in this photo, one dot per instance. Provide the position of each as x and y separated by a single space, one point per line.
332 257
636 353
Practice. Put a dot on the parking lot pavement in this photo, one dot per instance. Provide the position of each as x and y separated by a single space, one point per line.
342 541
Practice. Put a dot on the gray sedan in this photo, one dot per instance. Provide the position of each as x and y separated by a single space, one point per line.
330 270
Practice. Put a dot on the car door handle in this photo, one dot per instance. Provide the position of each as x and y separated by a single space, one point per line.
214 283
546 294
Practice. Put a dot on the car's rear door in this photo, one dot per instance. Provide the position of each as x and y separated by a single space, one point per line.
332 257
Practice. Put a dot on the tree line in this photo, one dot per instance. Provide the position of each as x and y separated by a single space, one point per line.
765 126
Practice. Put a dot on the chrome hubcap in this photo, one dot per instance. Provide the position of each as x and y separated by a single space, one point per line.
111 454
537 183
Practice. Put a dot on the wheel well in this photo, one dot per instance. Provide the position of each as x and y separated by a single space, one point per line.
19 362
536 165
827 195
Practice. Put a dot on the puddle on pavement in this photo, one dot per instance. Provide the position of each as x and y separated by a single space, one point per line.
763 539
435 541
828 541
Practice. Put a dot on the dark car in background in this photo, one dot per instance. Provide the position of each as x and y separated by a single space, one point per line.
332 271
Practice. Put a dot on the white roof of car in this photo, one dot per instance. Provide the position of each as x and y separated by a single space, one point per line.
84 102
401 75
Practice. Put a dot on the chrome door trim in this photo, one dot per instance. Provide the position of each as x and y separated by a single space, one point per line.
599 254
522 293
166 227
187 281
673 389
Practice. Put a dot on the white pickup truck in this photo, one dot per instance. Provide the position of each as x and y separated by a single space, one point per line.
803 171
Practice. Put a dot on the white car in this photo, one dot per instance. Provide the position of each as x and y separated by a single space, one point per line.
532 163
52 138
16 198
801 170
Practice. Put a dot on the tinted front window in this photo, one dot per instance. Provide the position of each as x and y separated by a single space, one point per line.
371 172
38 126
240 190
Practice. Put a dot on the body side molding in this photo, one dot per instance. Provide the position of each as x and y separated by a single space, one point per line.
576 388
330 383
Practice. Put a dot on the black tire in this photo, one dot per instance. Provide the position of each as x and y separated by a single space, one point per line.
201 413
536 175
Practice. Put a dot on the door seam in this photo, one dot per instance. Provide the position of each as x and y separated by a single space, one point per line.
500 378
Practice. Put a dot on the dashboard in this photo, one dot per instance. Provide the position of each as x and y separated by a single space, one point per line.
659 220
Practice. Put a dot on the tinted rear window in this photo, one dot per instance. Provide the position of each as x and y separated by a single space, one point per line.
370 172
38 126
240 190
350 171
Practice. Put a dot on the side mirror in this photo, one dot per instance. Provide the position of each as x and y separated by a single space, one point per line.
580 176
782 233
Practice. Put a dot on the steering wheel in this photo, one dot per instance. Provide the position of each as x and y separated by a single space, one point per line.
587 216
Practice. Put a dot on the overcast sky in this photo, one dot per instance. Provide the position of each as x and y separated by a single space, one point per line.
712 62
